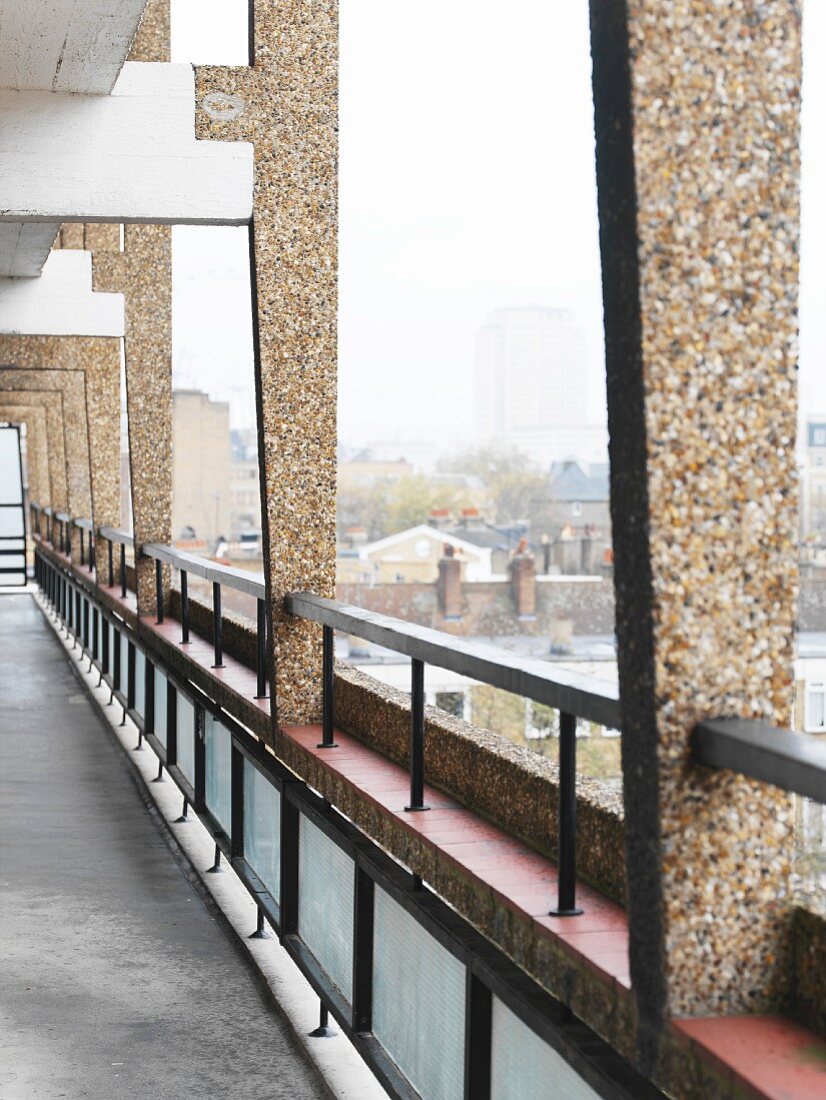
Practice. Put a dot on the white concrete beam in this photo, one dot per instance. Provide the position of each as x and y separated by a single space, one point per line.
61 302
128 157
25 246
66 45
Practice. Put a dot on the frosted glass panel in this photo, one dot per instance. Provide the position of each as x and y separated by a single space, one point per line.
418 1002
140 683
262 828
218 761
523 1065
124 663
160 707
186 736
325 903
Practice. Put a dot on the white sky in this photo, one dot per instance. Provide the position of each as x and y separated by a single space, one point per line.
467 184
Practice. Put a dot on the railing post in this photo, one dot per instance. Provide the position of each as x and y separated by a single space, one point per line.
82 547
261 645
123 569
217 629
111 563
328 679
566 898
416 736
92 561
184 608
159 590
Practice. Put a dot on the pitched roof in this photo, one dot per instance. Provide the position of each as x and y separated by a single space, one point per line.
570 482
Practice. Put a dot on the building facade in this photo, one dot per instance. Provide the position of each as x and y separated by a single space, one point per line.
200 468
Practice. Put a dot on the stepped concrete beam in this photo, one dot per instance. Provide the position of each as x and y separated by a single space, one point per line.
66 46
61 302
127 157
37 447
25 247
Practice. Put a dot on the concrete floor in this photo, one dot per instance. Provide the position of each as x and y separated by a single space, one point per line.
117 977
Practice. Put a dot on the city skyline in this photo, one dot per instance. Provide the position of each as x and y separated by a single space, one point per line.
421 216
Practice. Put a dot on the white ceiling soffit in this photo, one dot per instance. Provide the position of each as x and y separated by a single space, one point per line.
66 45
25 246
128 157
61 302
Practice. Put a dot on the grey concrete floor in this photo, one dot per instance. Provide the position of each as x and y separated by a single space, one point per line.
117 977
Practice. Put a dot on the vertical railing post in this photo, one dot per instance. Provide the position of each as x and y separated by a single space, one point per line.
416 736
566 898
261 646
111 563
237 802
327 688
217 627
123 569
158 590
184 608
92 561
82 547
363 950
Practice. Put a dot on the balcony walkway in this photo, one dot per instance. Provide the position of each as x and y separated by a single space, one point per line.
118 978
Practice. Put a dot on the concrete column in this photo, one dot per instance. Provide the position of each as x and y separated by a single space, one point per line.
51 405
71 387
91 366
287 104
449 587
143 274
697 129
37 447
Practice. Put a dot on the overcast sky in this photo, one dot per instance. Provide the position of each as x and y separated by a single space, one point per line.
467 184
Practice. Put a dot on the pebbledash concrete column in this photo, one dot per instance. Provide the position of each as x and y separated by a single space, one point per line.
51 405
33 418
71 387
142 272
96 360
287 104
697 131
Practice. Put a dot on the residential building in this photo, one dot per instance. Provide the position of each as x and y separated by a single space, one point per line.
813 481
200 467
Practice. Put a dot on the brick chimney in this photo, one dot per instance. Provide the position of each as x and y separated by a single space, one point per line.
449 585
523 581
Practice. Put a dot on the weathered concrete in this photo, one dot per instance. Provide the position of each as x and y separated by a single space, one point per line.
118 979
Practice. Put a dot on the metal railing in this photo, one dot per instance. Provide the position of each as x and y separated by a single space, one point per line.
239 579
573 695
114 537
358 925
795 762
89 527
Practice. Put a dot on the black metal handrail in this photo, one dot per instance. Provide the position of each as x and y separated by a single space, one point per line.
88 526
217 574
573 695
795 762
113 535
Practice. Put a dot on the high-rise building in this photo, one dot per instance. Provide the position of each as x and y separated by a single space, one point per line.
532 385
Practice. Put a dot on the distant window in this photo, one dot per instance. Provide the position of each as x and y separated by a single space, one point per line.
423 547
816 707
451 701
576 508
818 460
819 437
